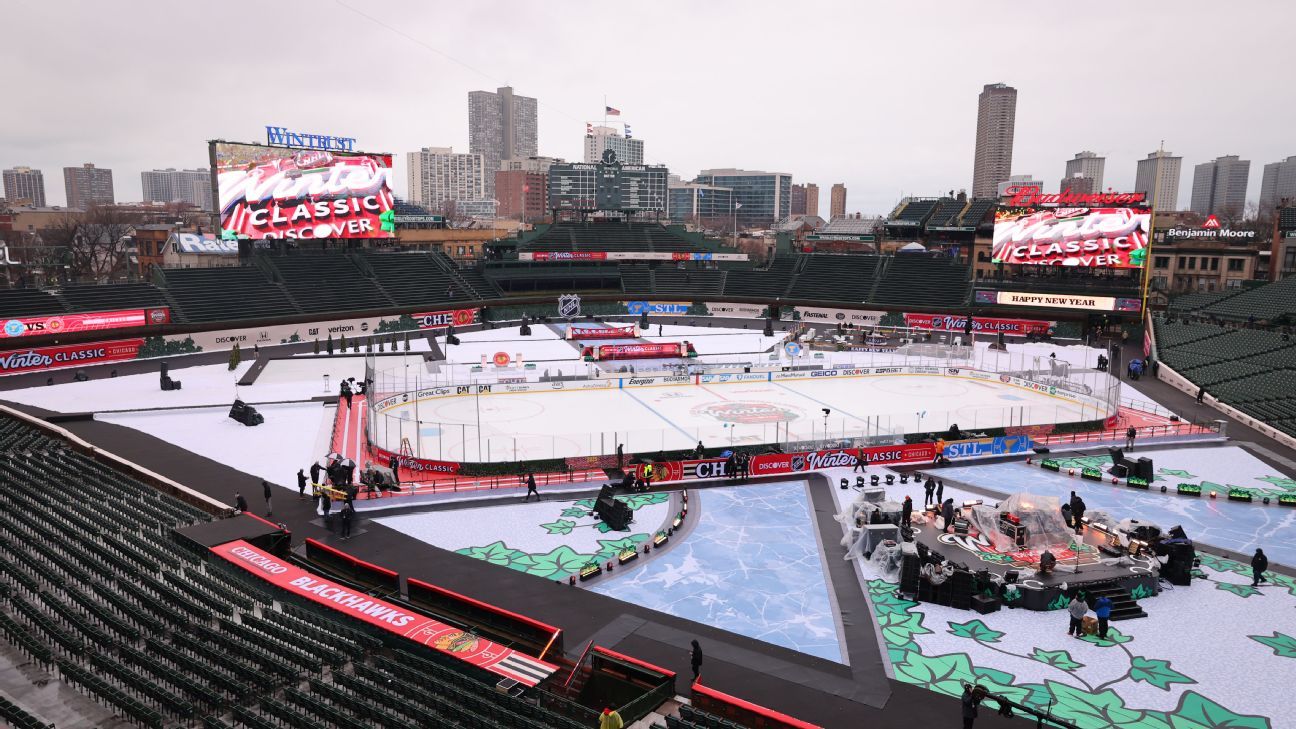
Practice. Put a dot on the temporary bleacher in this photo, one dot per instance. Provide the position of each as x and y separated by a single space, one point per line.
225 294
410 279
976 212
29 302
769 283
836 278
1266 303
326 282
1200 300
636 278
672 281
946 213
926 281
609 236
909 217
112 297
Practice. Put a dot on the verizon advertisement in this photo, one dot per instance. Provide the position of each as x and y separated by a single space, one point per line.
386 616
1059 301
446 317
273 192
1085 237
980 324
72 355
68 323
839 316
774 464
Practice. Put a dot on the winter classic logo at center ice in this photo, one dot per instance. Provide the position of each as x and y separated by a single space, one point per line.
747 413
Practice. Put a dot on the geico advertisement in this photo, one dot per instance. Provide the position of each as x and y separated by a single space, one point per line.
273 192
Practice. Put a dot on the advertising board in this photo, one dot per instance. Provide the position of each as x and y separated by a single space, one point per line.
552 256
35 359
85 322
1002 445
446 317
1084 302
1072 236
980 324
736 311
658 308
839 316
276 192
773 464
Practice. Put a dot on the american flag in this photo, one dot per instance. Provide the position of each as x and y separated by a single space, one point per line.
611 112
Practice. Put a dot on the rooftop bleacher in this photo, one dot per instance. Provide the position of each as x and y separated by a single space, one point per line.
912 213
946 213
849 226
976 212
607 236
921 280
827 277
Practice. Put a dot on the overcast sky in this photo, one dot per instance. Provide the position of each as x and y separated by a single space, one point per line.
880 96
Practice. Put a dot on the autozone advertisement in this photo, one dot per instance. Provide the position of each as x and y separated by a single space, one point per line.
839 316
72 355
446 317
386 616
773 464
943 323
68 323
1085 237
274 192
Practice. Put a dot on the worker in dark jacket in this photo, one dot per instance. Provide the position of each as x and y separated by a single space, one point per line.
315 472
301 484
971 697
1259 563
695 661
947 513
240 503
906 511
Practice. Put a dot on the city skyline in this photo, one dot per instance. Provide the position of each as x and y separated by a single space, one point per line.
924 150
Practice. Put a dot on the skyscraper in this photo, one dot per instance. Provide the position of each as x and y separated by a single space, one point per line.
87 186
811 199
837 202
765 197
171 185
500 125
628 151
437 175
1158 178
1278 184
1086 164
1219 186
996 122
798 205
24 183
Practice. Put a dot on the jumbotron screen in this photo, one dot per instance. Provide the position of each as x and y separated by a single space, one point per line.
629 188
1084 237
276 192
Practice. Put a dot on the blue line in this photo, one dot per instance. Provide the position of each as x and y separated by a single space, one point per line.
668 421
798 393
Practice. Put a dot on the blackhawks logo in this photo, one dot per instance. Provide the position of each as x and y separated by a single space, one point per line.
457 642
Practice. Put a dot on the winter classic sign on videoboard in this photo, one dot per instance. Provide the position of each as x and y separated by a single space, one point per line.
1082 237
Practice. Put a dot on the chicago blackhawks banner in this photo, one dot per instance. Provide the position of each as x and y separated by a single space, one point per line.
774 464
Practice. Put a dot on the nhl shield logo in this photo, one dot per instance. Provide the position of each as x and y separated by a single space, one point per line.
798 463
569 305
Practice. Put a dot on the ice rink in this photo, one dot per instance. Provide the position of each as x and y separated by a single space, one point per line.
561 423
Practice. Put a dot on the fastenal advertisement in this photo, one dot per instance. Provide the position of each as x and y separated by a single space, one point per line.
1083 237
273 192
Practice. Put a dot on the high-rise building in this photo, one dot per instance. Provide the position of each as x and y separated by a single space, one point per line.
1078 184
1158 179
764 197
171 185
1018 181
87 186
812 199
501 125
522 194
1278 184
1086 164
24 183
1219 186
837 203
695 202
529 164
438 175
628 151
798 205
996 123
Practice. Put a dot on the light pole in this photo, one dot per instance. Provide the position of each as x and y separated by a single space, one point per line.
735 224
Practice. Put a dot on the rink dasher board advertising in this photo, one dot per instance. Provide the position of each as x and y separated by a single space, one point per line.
322 330
775 464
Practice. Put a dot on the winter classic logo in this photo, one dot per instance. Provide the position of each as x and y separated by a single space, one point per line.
747 412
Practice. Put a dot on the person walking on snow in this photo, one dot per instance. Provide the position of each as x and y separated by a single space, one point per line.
940 491
301 484
315 472
1077 609
531 488
347 514
265 488
1130 434
906 511
1259 563
929 490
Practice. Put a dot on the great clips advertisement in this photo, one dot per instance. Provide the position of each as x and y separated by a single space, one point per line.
1083 237
273 192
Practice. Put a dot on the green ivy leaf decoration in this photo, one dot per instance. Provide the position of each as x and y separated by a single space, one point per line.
1286 484
638 501
1140 591
976 630
1175 473
560 562
586 503
1198 712
1239 590
575 511
898 629
1114 637
1284 646
495 553
1092 710
1156 672
522 562
942 674
1059 603
562 526
1057 659
610 548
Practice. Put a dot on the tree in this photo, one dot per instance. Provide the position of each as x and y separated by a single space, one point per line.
316 345
344 344
407 345
380 344
235 357
96 242
330 344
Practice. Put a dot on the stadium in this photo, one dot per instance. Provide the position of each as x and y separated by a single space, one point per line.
329 457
